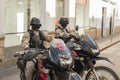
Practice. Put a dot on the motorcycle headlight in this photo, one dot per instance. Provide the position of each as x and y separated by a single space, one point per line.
65 59
95 51
63 56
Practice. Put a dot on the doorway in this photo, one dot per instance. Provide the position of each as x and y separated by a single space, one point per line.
80 17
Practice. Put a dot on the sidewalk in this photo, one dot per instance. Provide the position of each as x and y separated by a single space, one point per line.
103 43
106 42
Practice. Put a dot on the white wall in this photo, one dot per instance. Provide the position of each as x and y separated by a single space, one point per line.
35 8
86 13
16 19
50 14
82 16
44 9
43 14
1 16
59 8
11 23
25 14
72 14
96 11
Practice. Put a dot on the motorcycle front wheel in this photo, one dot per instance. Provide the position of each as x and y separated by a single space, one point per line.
74 76
103 73
22 76
37 76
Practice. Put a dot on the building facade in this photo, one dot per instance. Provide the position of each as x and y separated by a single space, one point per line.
103 18
98 18
16 15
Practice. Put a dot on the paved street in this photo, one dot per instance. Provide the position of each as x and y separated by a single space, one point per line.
113 53
9 73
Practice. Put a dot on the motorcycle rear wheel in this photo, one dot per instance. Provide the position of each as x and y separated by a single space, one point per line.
104 73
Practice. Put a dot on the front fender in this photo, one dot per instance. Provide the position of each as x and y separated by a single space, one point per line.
102 58
74 76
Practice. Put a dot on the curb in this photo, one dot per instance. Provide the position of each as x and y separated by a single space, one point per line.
109 45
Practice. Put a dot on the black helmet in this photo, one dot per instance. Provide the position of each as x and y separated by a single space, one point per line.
35 23
64 21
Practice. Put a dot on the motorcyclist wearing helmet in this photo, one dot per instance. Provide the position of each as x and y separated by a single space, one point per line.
62 29
34 38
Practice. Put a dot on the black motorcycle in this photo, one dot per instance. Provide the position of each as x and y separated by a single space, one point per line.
87 53
58 62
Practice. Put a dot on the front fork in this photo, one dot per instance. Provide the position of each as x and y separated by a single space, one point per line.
93 71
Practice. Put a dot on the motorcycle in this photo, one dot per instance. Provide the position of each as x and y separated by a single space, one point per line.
57 63
86 53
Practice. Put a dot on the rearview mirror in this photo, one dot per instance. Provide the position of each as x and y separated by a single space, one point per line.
76 27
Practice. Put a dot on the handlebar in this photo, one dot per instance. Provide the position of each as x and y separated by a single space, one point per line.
42 51
36 51
19 53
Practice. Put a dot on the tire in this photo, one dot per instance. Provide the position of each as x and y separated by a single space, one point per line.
37 76
102 76
74 76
